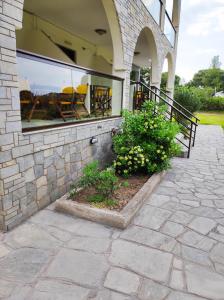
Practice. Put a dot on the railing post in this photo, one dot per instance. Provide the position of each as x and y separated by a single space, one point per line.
171 114
195 132
190 138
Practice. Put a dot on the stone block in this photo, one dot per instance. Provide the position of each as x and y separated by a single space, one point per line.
122 281
24 264
151 290
19 193
42 181
205 283
5 156
50 289
25 162
39 171
41 192
91 275
7 41
89 244
6 139
7 202
39 158
122 255
29 175
9 171
13 126
22 150
50 139
8 68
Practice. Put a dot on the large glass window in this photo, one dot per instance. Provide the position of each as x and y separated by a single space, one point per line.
53 94
169 30
154 7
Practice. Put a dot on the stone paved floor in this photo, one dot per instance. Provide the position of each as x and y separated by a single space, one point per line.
174 249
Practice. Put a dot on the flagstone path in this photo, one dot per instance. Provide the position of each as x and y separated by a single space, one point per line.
173 250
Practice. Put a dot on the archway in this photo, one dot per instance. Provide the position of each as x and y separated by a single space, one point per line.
145 67
145 54
168 75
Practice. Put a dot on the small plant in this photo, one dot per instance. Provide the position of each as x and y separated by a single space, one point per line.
105 182
96 198
89 178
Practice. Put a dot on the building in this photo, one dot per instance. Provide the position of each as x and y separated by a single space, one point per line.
65 75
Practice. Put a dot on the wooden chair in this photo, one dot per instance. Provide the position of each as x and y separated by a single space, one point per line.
26 102
80 97
66 103
101 98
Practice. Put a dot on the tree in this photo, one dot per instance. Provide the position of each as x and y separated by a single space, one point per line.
145 75
165 78
216 63
187 97
213 78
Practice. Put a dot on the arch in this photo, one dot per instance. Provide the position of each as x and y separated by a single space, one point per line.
112 17
170 78
170 72
146 53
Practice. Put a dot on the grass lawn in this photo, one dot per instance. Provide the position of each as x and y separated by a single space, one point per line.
211 118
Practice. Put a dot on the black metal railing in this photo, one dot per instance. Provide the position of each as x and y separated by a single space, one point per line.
184 118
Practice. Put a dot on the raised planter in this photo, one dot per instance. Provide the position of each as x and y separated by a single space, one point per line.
109 217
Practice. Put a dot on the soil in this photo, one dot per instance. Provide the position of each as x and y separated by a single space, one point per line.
122 195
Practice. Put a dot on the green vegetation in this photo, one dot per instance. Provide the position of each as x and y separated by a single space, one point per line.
188 98
211 118
146 142
104 183
165 78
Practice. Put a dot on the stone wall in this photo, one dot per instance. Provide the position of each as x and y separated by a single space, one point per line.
38 167
44 164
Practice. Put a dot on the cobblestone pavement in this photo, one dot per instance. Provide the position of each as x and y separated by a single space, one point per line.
173 250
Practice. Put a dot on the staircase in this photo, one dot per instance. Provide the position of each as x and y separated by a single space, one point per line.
187 121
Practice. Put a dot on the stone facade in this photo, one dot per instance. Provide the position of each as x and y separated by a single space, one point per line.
38 167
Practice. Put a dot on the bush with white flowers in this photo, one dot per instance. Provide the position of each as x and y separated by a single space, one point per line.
146 142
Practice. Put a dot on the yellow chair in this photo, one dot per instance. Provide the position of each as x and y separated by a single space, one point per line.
69 90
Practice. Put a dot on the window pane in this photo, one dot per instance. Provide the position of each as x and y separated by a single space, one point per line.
169 8
169 31
52 94
154 7
106 95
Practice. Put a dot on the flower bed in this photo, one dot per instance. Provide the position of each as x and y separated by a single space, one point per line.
143 149
120 219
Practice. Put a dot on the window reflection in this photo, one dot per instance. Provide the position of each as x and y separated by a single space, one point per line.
154 7
169 31
52 93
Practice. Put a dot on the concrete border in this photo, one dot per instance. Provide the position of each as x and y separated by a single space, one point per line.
105 216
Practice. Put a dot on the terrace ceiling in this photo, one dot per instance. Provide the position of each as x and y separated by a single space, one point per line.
79 17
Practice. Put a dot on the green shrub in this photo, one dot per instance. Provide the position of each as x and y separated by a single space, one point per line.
146 141
105 182
212 104
187 97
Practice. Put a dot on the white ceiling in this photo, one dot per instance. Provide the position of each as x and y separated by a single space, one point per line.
80 17
143 59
